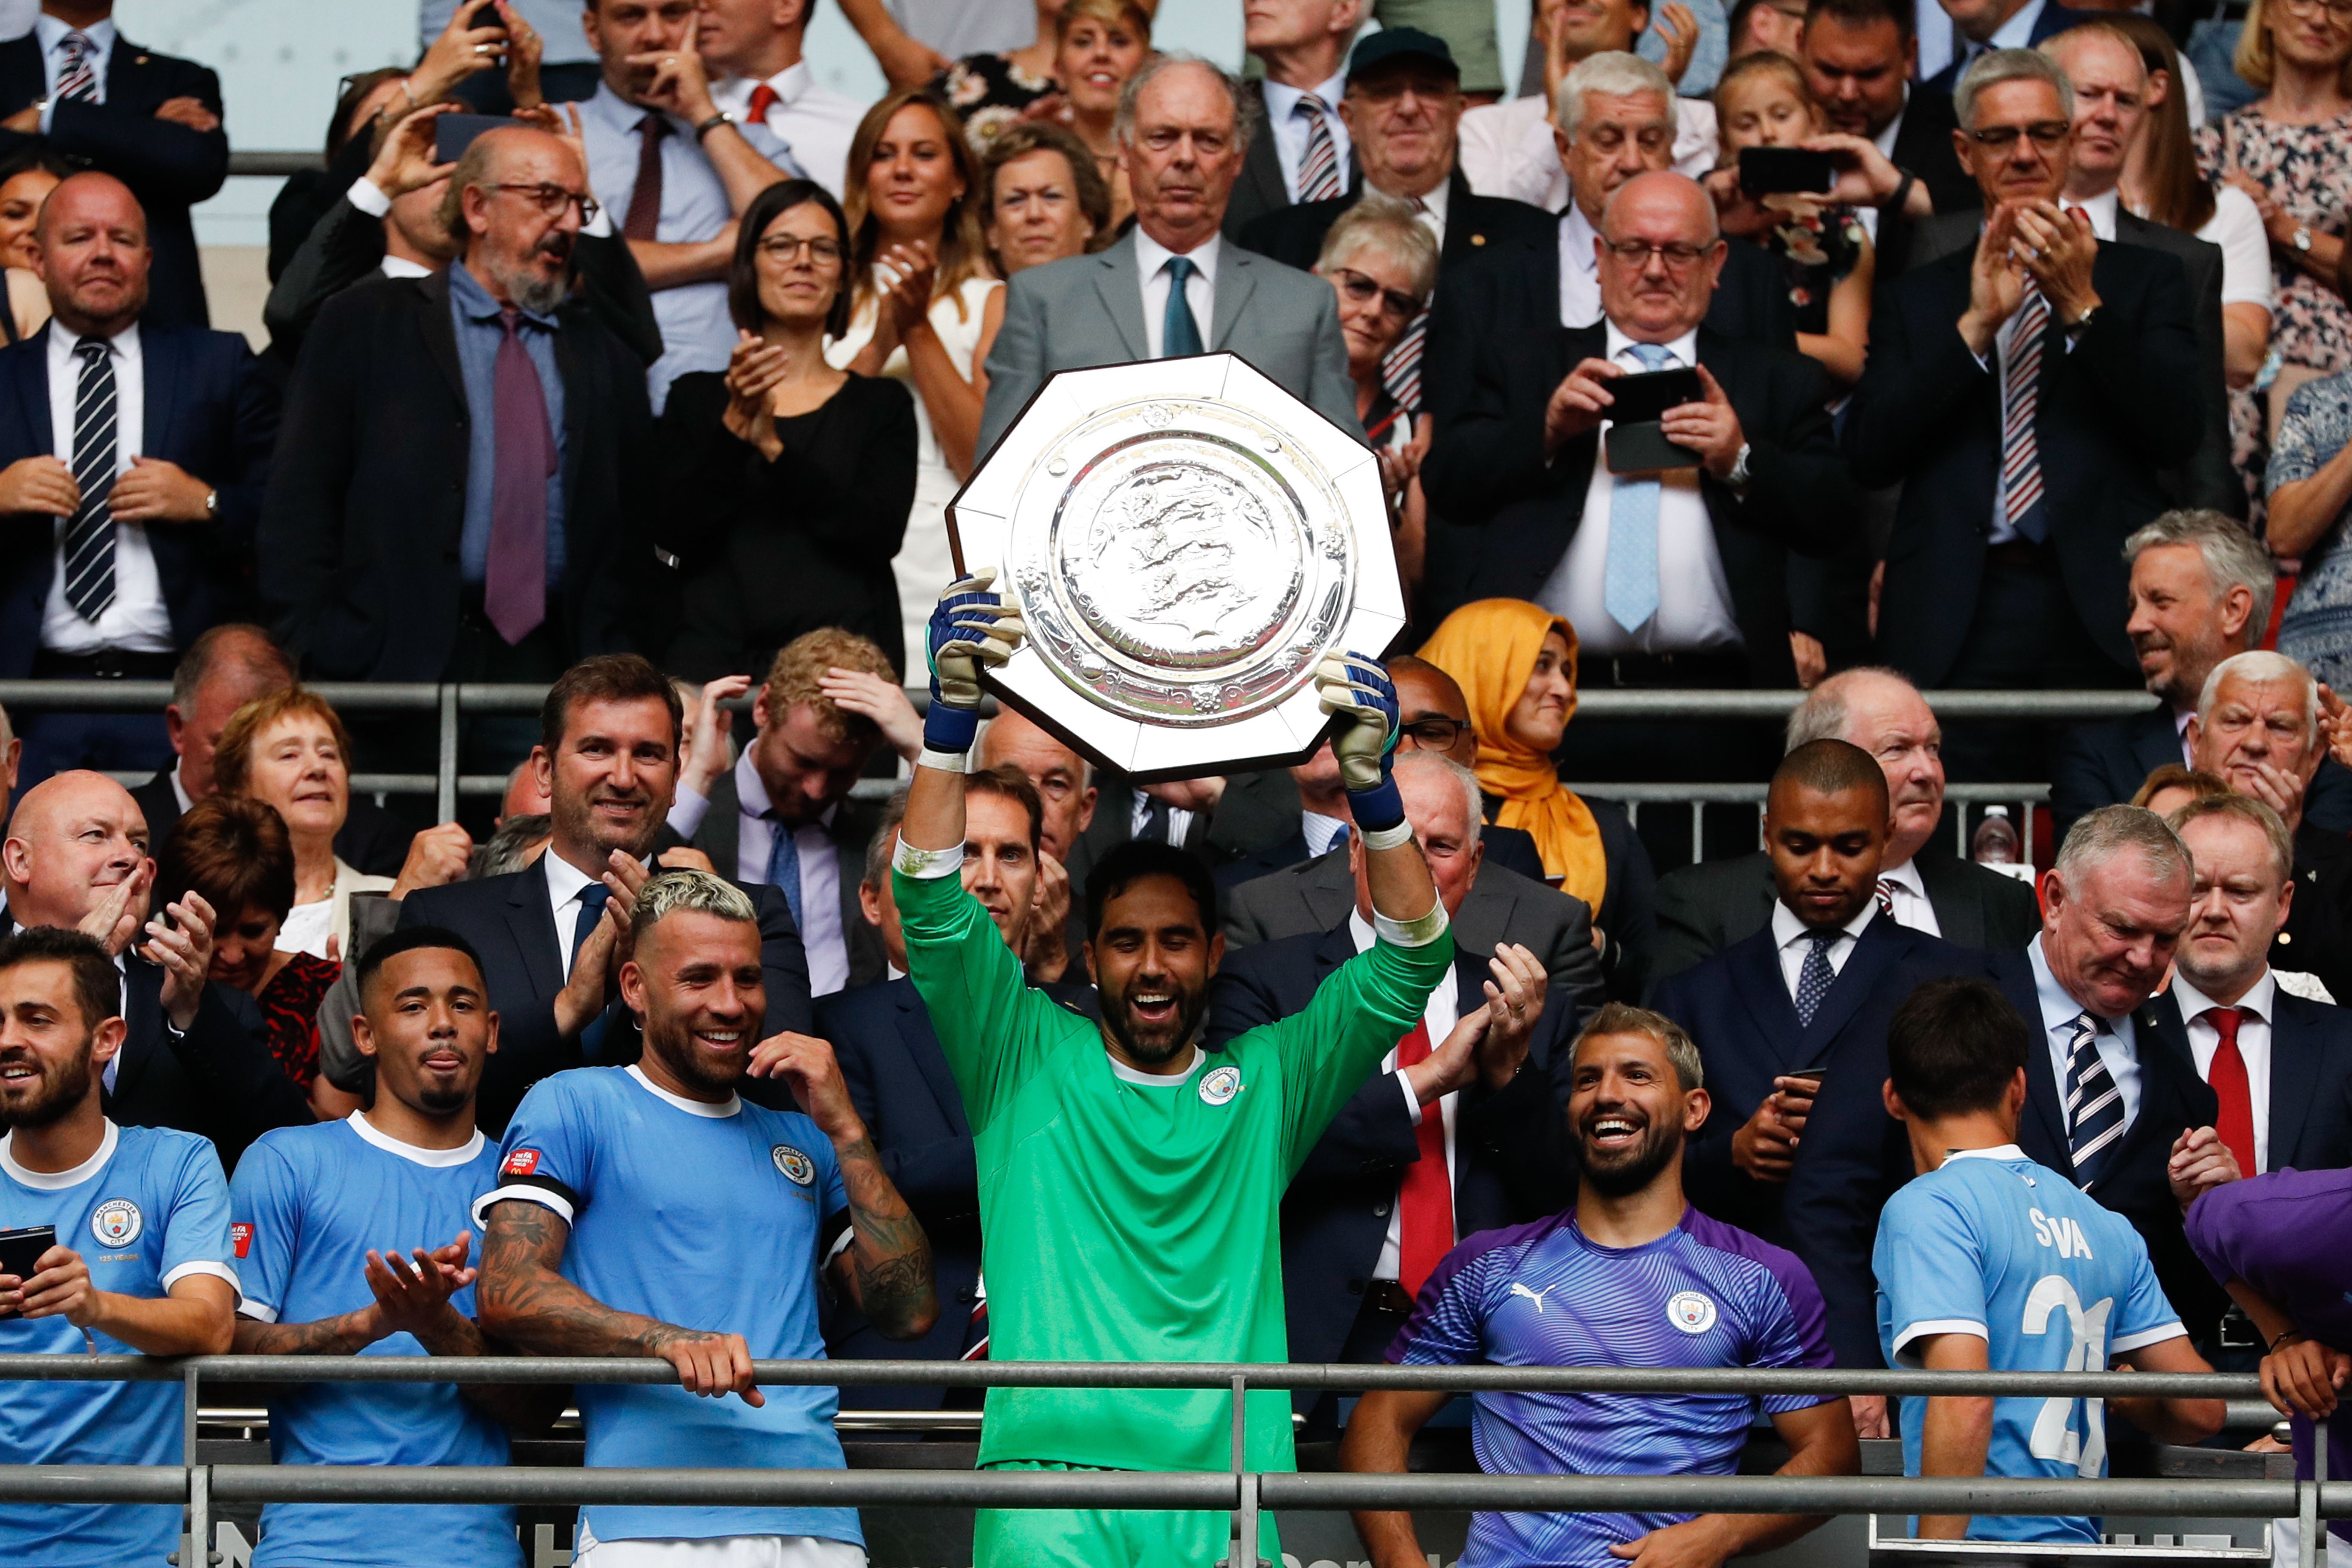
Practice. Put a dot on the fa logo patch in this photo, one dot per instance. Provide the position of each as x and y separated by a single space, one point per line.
1220 1084
797 1167
240 1235
1691 1313
116 1223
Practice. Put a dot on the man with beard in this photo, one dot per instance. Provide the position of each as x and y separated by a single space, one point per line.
149 1207
461 490
312 1204
1631 1276
549 935
1991 1260
1131 1183
634 1202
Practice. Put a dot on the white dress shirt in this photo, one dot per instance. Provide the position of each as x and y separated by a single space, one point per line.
1795 939
820 861
1432 209
1507 149
2255 1010
1319 830
809 123
1885 142
1439 1016
1694 595
1139 812
565 883
50 33
1288 128
2003 340
2118 1045
1151 259
137 620
1909 896
1580 269
2181 728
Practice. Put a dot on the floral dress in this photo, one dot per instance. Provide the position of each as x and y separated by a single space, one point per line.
2304 169
290 1011
1817 247
988 93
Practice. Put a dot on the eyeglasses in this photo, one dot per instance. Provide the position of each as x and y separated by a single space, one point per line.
1360 288
787 247
553 199
2048 135
1433 734
2337 10
1637 253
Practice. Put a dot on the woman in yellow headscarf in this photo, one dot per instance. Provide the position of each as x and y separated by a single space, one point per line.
1516 663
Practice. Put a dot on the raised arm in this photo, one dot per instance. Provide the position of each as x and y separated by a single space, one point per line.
971 628
1357 690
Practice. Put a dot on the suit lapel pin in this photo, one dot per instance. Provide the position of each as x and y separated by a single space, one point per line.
1477 239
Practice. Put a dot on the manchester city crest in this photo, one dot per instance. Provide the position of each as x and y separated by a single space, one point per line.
116 1223
1219 1085
1691 1313
797 1167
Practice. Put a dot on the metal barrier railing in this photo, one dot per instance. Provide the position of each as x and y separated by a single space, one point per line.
1239 1491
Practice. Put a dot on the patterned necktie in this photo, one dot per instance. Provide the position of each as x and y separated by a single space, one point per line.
1629 579
1318 169
2020 396
2234 1117
78 77
514 577
1886 897
644 217
2095 1106
784 867
1425 1195
90 532
1178 333
1815 978
1401 366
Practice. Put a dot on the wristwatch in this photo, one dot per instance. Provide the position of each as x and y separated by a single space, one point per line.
2303 237
1738 476
713 124
2082 323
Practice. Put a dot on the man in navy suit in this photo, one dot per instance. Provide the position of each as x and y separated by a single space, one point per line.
1457 1133
548 934
132 457
2280 1066
1801 1005
77 88
1988 24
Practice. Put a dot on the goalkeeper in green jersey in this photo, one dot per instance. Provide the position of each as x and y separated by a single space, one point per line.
1129 1183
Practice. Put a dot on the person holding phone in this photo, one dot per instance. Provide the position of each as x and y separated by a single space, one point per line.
140 1261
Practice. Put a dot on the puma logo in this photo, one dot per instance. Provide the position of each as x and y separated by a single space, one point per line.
1535 1296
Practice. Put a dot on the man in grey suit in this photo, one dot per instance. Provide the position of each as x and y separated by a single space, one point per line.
1182 137
2110 99
1706 908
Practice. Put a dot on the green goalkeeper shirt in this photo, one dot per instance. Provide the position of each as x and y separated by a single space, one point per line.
1126 1222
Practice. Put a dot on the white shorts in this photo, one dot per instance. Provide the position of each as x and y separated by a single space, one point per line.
719 1551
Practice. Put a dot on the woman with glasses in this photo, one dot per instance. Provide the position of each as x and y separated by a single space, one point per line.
792 475
1383 263
1516 663
923 310
2288 149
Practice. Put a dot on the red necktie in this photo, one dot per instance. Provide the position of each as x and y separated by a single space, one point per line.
763 99
1425 1196
2235 1119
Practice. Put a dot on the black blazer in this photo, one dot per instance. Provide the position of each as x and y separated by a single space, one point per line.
2092 765
2317 937
360 526
507 920
2123 403
1706 907
1260 188
208 409
1314 897
2204 477
1799 496
854 822
1737 1007
1294 235
2311 1080
372 840
1512 1162
168 167
1512 848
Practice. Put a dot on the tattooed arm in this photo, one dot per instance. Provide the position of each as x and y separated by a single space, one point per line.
413 1298
886 1271
526 1302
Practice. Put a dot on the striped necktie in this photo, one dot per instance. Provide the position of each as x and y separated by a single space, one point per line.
1318 169
78 77
2095 1106
1401 368
90 532
2020 396
1886 897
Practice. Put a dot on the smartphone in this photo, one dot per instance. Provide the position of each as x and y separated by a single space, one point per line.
1814 1073
1636 443
453 133
21 1250
1763 171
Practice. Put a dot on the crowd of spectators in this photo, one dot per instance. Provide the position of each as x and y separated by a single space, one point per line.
610 352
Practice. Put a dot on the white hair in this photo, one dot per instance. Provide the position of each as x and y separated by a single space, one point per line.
1389 226
2260 665
1474 803
2231 557
666 893
1614 74
979 749
1821 715
1247 106
2100 835
1995 66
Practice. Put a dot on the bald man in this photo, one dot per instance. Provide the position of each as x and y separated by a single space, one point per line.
410 532
76 856
133 456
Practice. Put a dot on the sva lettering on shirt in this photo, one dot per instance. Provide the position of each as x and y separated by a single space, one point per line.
2062 1233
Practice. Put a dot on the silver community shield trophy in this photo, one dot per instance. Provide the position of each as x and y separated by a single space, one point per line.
1185 539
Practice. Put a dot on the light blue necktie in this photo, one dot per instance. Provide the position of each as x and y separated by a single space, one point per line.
1629 580
785 869
1178 333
